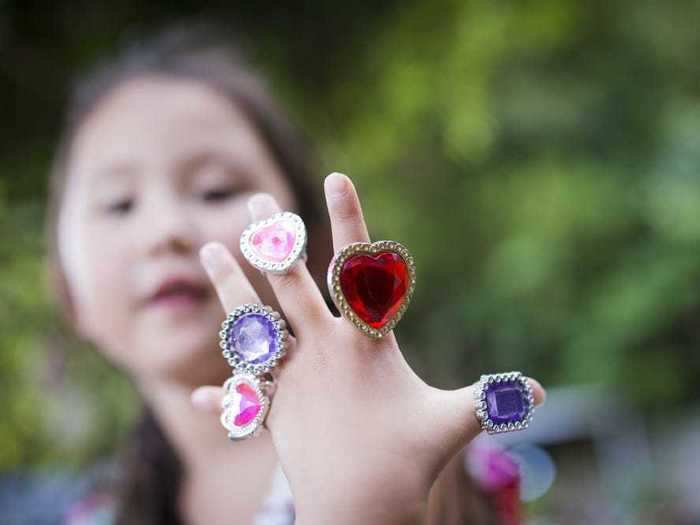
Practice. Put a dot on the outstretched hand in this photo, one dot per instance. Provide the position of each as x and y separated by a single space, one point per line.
360 437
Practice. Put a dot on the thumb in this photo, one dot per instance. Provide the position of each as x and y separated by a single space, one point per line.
459 413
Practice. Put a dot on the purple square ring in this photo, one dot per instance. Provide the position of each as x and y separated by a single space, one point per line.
504 402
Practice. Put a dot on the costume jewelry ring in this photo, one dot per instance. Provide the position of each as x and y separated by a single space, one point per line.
275 244
372 284
504 402
253 339
245 405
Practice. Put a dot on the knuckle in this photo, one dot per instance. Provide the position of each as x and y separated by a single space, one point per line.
318 361
229 283
234 289
220 273
286 282
295 292
348 212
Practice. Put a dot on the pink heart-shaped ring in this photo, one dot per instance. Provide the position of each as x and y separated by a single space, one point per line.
245 406
275 244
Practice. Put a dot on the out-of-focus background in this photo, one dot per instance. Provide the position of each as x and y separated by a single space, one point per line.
540 159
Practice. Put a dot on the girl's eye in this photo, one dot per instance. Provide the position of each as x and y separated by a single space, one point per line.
218 194
120 207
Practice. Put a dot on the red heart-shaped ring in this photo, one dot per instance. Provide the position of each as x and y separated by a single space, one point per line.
372 284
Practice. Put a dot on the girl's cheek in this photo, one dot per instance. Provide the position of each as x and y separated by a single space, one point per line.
96 271
226 224
103 289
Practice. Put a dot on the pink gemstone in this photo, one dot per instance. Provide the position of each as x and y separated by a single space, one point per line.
245 398
276 241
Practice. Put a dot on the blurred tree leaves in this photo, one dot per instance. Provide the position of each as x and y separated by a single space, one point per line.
543 168
540 159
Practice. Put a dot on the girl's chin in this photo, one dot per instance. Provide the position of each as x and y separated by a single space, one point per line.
188 369
181 330
188 357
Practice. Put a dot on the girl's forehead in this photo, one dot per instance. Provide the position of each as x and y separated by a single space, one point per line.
152 119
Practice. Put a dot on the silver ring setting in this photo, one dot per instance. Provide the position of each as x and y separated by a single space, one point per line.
504 402
275 244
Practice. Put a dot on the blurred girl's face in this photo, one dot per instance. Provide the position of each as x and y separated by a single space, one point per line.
158 169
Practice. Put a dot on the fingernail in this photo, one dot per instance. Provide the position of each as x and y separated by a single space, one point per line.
211 255
538 386
261 205
336 184
199 398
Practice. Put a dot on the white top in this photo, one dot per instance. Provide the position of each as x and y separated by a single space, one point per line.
278 507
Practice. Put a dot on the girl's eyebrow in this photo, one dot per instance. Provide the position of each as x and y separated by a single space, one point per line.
190 163
119 168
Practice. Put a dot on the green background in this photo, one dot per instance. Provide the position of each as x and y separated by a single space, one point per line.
540 159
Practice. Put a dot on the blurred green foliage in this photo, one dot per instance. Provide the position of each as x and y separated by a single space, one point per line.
540 159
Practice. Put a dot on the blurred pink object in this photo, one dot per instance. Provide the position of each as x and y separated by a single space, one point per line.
498 475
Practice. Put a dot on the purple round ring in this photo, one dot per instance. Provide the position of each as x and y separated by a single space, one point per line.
253 338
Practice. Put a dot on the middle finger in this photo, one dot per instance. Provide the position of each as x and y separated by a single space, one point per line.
295 289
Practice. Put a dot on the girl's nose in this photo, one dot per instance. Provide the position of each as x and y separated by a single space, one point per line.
170 228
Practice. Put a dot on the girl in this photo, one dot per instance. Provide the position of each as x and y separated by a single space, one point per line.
169 152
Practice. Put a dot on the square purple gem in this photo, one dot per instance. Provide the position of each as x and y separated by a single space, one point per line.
506 402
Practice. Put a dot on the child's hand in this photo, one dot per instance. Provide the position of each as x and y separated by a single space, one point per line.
360 436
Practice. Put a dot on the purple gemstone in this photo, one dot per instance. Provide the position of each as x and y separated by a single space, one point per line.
253 337
506 402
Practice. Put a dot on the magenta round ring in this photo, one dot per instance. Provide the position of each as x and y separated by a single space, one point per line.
245 405
504 402
275 244
253 338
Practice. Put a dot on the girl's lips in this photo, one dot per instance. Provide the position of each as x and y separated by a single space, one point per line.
178 300
179 293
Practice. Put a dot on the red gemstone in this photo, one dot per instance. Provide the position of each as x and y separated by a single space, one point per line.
375 286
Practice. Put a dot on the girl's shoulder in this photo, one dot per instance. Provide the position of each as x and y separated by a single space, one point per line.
97 503
58 497
95 508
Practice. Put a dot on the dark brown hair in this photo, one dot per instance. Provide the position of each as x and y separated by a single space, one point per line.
151 470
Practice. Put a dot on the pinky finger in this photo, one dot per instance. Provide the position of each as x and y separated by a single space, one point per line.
208 399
